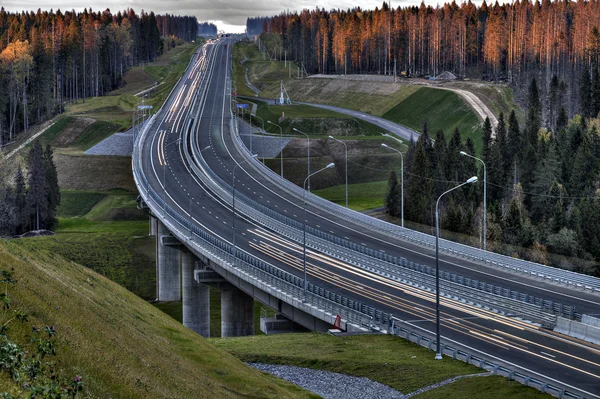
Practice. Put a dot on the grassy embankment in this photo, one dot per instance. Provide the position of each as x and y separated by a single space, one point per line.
122 346
402 365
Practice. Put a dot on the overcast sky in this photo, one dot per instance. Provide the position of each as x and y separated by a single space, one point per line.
228 15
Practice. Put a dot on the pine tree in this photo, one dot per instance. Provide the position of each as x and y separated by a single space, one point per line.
514 147
487 139
496 175
595 93
37 193
441 150
545 185
52 186
561 120
420 189
393 198
454 165
512 224
585 94
20 201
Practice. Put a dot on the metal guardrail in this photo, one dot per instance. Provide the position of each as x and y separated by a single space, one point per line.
457 351
474 254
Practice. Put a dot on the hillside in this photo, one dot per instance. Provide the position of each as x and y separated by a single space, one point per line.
121 346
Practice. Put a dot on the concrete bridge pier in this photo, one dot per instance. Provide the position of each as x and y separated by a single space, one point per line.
237 312
168 265
153 226
195 296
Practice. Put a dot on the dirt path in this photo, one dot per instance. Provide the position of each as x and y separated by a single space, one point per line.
478 106
29 140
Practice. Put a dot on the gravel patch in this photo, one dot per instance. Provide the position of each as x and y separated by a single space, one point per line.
116 144
119 144
330 385
264 146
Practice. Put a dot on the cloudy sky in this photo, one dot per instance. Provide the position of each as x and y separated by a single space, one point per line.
229 15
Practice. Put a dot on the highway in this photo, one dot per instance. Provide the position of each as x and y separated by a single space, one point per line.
200 104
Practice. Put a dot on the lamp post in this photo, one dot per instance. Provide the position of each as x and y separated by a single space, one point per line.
484 198
346 147
401 178
233 203
438 352
308 151
165 173
281 136
331 165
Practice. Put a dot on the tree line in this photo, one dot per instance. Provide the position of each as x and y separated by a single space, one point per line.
513 42
31 203
207 29
49 59
541 184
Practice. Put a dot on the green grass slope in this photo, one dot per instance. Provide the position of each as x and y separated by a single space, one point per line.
441 109
122 346
395 362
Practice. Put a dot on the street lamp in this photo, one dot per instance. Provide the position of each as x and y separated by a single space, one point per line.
331 165
165 172
308 150
233 202
484 198
346 147
401 178
438 352
281 136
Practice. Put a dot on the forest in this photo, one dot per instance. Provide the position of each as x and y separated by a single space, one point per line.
511 42
49 59
541 186
31 203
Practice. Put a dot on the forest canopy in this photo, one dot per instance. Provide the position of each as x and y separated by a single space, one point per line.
48 59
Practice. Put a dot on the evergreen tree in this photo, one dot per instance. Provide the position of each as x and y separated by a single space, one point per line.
561 120
420 189
454 165
585 94
393 198
512 224
20 204
496 175
595 93
441 151
546 185
529 143
37 193
52 186
514 146
487 139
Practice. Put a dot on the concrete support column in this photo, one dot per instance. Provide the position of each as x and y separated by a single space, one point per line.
168 265
237 312
195 297
153 226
